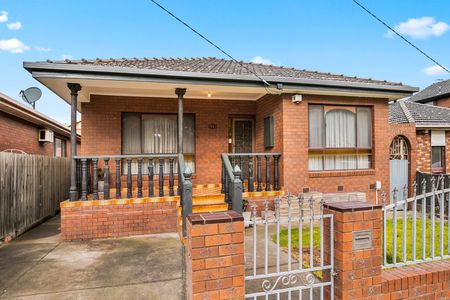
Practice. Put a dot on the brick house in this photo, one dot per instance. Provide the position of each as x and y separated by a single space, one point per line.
431 125
234 130
330 130
436 94
20 127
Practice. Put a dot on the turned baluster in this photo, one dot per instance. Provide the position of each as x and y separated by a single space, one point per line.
139 178
118 183
161 177
222 190
267 172
129 179
276 180
241 166
151 192
106 179
251 179
83 179
258 174
95 178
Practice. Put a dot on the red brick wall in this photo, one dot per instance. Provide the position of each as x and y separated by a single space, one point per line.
444 102
86 220
102 127
424 151
295 148
215 256
16 133
421 281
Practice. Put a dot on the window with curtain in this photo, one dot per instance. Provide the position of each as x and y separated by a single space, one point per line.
59 148
157 134
340 137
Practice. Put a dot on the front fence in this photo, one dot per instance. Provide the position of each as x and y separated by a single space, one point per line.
291 253
31 188
415 229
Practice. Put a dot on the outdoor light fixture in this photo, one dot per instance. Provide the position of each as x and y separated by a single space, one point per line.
297 99
209 95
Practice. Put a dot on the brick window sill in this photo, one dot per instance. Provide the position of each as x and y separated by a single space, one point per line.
321 174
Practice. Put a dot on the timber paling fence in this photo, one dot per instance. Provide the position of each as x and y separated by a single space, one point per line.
31 188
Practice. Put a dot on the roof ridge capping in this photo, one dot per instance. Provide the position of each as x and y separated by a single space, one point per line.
406 111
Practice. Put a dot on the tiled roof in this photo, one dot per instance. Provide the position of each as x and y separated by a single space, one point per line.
421 114
211 65
441 88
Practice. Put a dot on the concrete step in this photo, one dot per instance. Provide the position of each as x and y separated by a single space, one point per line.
208 199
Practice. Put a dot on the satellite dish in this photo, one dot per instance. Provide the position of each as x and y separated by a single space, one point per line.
31 95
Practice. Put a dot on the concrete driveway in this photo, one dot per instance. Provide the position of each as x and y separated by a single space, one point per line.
38 265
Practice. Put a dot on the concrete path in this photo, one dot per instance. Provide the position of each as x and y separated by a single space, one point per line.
38 265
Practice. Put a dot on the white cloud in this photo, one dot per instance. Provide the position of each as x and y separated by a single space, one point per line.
14 26
420 28
434 71
261 60
43 49
66 56
13 45
3 16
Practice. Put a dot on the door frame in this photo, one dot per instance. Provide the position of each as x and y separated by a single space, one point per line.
233 120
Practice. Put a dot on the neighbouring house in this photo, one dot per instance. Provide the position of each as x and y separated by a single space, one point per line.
25 130
431 125
436 94
289 130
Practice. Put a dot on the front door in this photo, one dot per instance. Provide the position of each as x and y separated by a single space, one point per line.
242 136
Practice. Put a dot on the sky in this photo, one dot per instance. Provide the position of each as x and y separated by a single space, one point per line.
333 36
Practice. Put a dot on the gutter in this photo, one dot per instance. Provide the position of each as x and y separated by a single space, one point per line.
212 78
431 126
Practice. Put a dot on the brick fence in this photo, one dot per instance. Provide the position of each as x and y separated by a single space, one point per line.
215 259
215 256
86 220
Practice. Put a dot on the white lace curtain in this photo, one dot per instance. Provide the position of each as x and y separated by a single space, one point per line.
339 128
156 134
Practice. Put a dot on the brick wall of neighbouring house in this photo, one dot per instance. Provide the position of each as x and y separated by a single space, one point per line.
423 151
444 102
16 133
295 148
86 220
102 127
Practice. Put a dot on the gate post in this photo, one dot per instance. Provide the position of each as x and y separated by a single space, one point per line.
215 256
357 249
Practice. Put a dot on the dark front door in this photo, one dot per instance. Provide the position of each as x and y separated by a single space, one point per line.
242 136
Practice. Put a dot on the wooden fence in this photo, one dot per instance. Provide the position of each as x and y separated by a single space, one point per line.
31 188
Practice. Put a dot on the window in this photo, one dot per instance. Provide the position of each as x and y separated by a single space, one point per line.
59 147
157 134
340 137
437 159
437 151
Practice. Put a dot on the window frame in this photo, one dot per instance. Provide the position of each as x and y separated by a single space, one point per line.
357 150
140 114
441 169
63 147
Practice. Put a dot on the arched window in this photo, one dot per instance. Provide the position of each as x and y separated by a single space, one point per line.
399 148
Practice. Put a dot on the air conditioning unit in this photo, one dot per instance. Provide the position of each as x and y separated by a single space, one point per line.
45 136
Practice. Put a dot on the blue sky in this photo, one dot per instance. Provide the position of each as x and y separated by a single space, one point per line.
329 35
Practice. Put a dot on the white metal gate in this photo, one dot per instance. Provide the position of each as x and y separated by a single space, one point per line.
289 251
398 165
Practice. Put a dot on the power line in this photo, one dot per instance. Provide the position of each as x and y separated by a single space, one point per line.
266 84
401 36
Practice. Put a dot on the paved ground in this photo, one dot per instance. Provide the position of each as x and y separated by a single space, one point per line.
38 265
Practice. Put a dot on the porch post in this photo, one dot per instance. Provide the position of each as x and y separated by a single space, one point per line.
180 93
74 89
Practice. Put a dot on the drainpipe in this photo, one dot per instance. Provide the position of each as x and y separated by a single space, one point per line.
74 89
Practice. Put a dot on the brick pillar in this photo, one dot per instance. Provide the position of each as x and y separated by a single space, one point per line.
358 270
215 256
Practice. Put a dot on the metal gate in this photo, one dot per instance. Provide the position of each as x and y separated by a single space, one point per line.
398 165
289 251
